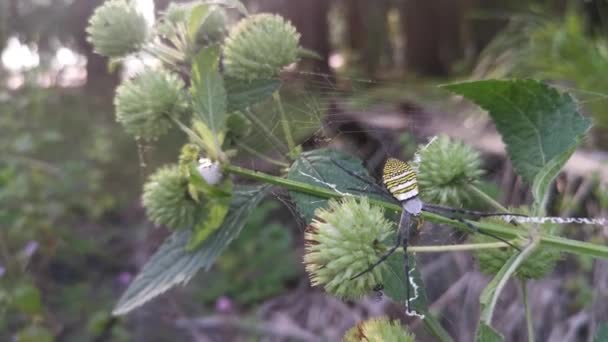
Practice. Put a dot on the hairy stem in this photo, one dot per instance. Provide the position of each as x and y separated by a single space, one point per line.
529 323
455 248
300 186
490 295
284 123
190 133
486 198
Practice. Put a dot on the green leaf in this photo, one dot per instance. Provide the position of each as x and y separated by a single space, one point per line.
174 264
209 141
243 94
540 186
486 333
601 334
208 92
198 15
317 168
489 296
216 210
395 283
537 123
236 4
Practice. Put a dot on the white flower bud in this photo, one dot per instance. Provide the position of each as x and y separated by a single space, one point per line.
210 171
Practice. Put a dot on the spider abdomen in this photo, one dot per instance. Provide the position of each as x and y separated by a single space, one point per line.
400 179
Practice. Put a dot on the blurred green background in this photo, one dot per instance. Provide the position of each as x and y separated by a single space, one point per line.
72 230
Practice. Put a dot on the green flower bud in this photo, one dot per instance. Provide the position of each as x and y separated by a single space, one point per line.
145 103
189 155
117 29
167 201
379 329
213 29
166 25
445 169
342 241
536 266
260 46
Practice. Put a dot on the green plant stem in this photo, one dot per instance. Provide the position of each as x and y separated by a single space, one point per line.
529 323
284 123
495 287
300 186
454 248
190 133
559 243
486 198
163 52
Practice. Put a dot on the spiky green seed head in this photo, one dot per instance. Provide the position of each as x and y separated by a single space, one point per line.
343 240
259 46
379 329
144 104
167 201
445 170
117 29
541 262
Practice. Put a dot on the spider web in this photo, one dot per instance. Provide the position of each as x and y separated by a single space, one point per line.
341 112
367 118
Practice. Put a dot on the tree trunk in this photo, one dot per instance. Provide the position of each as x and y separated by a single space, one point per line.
432 32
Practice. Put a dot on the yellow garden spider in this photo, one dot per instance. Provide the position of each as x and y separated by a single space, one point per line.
399 178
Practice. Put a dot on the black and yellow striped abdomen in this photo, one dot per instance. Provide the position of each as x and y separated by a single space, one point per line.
400 179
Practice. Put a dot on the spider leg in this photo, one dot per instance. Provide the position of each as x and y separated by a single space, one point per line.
378 189
403 232
472 213
363 192
380 260
404 242
479 231
441 210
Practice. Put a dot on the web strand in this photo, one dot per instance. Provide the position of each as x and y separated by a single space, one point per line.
556 220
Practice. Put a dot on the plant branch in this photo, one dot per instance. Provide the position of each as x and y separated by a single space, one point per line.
529 323
490 295
486 198
284 123
190 133
502 230
454 248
